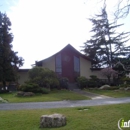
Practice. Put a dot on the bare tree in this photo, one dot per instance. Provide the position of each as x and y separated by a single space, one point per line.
123 9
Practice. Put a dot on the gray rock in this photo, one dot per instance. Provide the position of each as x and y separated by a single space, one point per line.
20 93
121 88
104 87
128 88
25 94
28 94
54 120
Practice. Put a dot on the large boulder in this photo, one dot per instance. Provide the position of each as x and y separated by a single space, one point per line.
20 93
105 87
127 89
25 94
54 120
28 94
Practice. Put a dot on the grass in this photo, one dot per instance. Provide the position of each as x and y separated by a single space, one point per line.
79 118
56 95
111 93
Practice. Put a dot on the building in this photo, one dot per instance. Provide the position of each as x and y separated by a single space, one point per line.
68 62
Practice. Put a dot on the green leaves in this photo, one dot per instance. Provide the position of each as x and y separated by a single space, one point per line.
105 43
43 77
9 61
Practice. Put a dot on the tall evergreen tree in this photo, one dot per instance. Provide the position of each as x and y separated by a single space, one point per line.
105 44
9 61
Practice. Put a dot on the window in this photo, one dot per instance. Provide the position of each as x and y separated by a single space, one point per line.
76 64
58 64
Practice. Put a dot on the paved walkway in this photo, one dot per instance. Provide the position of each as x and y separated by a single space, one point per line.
90 95
63 104
73 87
1 99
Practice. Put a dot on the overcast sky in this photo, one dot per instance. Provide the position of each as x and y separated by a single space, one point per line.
43 27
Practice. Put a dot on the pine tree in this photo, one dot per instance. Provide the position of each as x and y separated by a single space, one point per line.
105 44
9 61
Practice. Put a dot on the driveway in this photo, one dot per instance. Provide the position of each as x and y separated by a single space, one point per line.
63 104
90 95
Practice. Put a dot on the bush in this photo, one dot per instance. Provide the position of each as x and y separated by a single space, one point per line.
82 82
43 77
93 81
32 87
44 91
124 85
63 82
4 91
126 80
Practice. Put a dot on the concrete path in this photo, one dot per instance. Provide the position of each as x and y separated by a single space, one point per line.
90 95
63 104
1 99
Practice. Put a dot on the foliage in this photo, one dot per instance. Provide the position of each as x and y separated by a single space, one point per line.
94 77
4 91
82 81
63 82
105 44
43 77
9 61
122 66
124 85
93 81
109 73
32 87
126 81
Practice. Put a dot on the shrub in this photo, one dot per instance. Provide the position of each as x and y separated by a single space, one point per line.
125 79
93 81
82 81
4 91
43 77
124 85
63 82
44 91
32 87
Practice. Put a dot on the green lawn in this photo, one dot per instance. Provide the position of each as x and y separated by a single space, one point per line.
95 118
56 95
111 93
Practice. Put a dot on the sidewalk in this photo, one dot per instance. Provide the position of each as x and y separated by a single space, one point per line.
1 99
90 95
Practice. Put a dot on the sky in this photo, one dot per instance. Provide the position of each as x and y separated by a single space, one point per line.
43 27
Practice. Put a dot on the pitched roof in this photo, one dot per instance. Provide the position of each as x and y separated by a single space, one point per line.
71 48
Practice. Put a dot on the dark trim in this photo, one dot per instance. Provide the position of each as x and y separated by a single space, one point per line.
96 69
